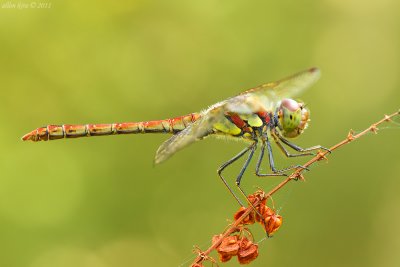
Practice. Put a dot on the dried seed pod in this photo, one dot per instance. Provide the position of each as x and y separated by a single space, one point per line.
248 251
272 221
257 196
224 257
229 247
261 210
250 219
252 198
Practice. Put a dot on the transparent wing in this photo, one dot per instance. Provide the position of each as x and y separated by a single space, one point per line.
268 95
262 98
291 86
196 131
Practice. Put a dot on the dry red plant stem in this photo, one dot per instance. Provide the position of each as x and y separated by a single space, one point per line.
297 174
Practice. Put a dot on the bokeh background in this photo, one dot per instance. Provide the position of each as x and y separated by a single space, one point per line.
100 202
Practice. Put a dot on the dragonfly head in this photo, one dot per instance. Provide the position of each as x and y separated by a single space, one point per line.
293 117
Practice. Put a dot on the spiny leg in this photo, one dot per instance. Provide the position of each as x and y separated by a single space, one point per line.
245 165
229 162
285 151
296 147
240 175
275 172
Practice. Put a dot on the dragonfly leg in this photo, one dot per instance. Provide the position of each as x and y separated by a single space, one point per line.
253 148
275 172
285 151
232 160
245 165
296 147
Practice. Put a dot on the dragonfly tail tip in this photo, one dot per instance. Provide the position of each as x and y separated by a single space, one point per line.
29 136
26 137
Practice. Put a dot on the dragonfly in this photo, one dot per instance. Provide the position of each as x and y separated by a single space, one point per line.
256 116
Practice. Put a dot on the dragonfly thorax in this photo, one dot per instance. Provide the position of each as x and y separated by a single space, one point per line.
293 117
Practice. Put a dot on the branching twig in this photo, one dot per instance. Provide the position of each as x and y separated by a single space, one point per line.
297 174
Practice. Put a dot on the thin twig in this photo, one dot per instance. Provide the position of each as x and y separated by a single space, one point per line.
297 174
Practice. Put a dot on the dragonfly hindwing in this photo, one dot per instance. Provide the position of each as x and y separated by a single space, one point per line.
196 131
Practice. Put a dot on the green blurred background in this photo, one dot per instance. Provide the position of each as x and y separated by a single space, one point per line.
100 202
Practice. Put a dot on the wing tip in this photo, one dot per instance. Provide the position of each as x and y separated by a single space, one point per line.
161 156
157 161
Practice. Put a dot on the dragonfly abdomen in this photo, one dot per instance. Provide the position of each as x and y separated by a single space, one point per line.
53 132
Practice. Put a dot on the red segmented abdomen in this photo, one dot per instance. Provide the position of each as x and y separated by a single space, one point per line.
53 132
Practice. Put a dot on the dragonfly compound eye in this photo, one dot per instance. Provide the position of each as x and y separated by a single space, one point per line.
294 117
290 104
